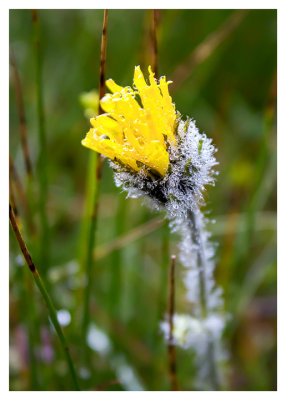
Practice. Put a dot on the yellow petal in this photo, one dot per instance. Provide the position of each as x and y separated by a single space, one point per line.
112 86
131 132
139 80
104 125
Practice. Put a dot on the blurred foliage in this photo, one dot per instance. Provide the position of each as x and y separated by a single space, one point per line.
232 96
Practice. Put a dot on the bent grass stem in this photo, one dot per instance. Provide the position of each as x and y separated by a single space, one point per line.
14 178
24 141
42 288
21 113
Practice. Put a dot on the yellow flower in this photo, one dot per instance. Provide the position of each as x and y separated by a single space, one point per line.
138 124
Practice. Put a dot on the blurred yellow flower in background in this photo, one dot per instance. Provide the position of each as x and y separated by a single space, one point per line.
90 103
138 125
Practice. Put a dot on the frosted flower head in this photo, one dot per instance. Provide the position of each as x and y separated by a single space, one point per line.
153 151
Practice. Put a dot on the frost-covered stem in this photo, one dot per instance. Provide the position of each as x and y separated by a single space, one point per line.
196 239
171 345
196 235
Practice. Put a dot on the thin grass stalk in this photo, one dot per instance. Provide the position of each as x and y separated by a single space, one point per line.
88 272
12 197
42 167
103 59
206 48
14 177
95 194
165 231
88 207
28 307
106 385
116 260
154 42
29 312
42 288
265 171
24 141
171 310
264 159
127 238
21 113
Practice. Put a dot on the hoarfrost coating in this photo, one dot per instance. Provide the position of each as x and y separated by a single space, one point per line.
181 194
191 168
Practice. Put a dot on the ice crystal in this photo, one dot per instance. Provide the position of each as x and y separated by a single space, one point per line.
181 193
190 170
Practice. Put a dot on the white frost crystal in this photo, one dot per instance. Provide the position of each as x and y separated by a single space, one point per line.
190 170
180 193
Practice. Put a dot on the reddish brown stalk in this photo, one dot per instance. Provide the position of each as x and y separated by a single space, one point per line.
206 48
21 113
107 385
102 91
12 197
103 59
171 346
21 242
154 33
13 176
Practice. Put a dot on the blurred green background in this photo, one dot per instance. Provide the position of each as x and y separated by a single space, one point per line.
232 96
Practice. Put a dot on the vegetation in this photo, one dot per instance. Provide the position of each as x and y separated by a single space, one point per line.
223 65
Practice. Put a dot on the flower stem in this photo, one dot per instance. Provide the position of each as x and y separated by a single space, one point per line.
171 346
196 235
42 288
165 250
